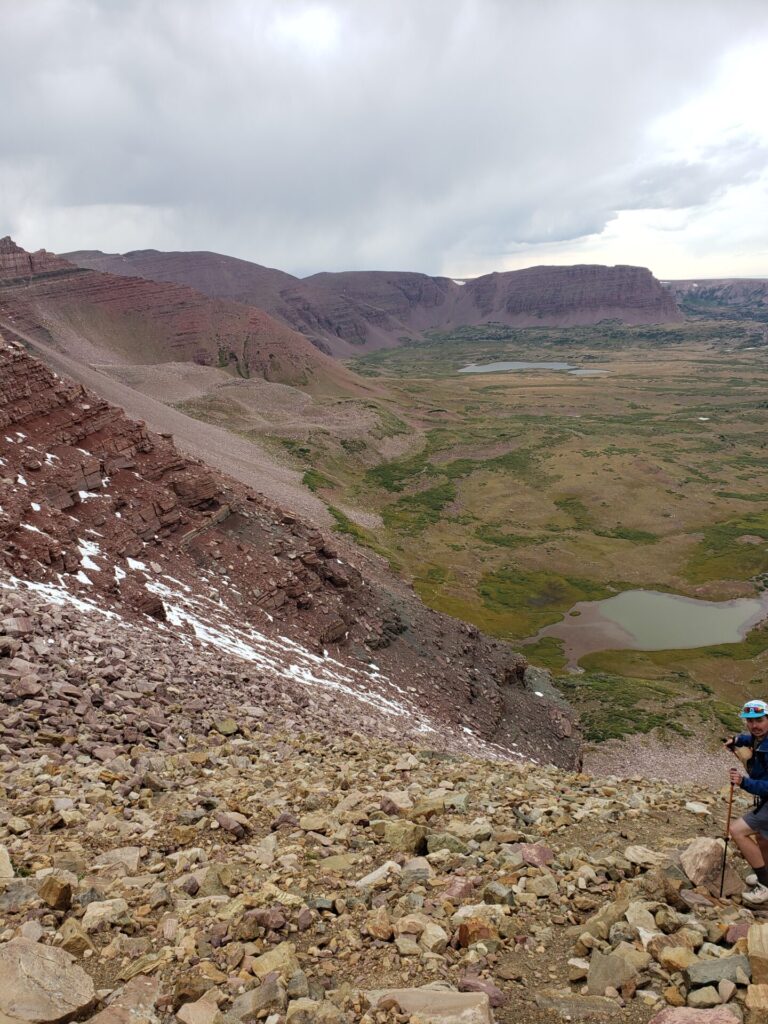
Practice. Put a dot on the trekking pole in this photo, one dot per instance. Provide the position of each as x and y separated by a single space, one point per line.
727 837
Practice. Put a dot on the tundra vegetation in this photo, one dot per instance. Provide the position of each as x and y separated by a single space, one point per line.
508 497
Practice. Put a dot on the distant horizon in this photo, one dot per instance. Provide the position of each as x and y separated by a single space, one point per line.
390 270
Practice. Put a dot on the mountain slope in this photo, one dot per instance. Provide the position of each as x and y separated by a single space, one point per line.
345 313
106 318
107 513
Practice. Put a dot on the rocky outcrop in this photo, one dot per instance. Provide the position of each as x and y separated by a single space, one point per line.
727 298
105 318
17 266
346 312
110 514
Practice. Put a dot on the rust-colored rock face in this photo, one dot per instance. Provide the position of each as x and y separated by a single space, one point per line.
132 319
95 507
344 312
18 265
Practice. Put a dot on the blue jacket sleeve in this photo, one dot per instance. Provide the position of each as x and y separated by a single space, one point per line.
744 739
757 787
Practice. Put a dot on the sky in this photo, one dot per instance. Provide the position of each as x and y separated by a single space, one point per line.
451 137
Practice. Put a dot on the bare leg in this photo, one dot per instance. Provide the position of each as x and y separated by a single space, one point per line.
762 842
750 849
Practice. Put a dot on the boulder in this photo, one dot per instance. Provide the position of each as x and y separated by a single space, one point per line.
6 868
571 1007
106 912
644 857
757 1004
702 861
757 950
436 1005
608 971
281 959
133 1004
702 998
712 972
690 1015
42 984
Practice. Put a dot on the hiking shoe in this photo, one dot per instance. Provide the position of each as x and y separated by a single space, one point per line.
757 896
751 880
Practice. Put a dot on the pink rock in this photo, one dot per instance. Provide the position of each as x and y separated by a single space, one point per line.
458 889
536 854
471 983
687 1015
702 862
737 931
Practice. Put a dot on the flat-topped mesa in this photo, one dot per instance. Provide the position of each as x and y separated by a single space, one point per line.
16 264
346 312
582 294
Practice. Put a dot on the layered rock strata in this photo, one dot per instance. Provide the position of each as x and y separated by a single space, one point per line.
345 313
105 318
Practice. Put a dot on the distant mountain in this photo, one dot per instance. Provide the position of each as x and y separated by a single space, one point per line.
731 298
344 313
109 318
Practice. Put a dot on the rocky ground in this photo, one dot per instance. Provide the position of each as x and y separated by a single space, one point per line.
245 776
171 852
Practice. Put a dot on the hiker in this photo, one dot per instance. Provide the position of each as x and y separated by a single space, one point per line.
750 833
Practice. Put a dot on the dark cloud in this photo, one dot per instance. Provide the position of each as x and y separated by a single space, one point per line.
343 134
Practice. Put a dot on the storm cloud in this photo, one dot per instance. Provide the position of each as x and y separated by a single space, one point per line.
448 136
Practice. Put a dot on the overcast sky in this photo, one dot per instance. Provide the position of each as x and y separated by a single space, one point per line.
447 136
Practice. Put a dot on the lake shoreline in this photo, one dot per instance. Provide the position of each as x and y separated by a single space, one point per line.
596 626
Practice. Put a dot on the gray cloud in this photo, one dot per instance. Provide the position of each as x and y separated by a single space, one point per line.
349 134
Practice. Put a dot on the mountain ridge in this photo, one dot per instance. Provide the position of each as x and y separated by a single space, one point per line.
347 313
114 318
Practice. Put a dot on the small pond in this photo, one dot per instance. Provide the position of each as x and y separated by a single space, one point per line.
647 620
511 365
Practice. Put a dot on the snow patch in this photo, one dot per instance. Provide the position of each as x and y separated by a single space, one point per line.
56 595
87 549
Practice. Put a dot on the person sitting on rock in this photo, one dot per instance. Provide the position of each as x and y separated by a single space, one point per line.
750 833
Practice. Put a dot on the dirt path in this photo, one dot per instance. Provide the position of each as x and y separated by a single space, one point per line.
232 455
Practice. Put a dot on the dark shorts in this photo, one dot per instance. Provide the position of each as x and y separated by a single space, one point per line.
758 820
